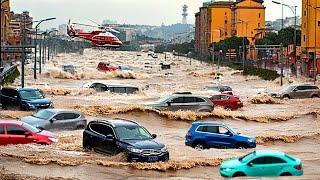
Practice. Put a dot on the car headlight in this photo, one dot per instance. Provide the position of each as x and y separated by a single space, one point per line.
227 169
135 150
53 139
31 105
164 149
251 140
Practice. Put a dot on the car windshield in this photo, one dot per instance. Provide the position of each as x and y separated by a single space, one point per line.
164 99
233 130
43 114
288 89
31 94
31 128
214 88
247 157
132 133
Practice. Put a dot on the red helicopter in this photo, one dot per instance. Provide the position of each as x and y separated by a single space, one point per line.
99 38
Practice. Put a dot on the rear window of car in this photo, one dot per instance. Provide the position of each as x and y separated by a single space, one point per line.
1 129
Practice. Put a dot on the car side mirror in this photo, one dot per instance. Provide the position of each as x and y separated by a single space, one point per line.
52 120
154 136
230 133
26 133
110 138
250 164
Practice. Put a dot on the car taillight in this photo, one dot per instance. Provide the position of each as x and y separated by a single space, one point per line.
189 135
298 167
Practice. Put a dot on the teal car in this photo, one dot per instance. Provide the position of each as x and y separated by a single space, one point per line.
262 163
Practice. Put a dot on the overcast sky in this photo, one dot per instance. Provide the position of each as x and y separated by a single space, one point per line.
151 12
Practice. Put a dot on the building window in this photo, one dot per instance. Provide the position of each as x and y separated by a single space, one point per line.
304 38
259 15
225 21
304 25
226 34
305 13
258 24
318 23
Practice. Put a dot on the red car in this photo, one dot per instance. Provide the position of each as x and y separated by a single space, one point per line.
17 132
227 101
102 66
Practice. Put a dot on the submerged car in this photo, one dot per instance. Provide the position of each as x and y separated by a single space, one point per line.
56 119
114 88
69 68
203 135
105 67
124 136
226 101
184 101
24 99
299 91
125 68
17 132
262 163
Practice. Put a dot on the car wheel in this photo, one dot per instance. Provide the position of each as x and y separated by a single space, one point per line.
314 96
238 174
285 174
286 97
241 146
79 127
199 146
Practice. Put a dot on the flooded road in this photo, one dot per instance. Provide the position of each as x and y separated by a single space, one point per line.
292 126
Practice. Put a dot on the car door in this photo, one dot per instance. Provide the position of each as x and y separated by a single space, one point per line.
176 104
57 121
3 136
16 135
211 135
190 104
69 120
217 100
299 92
255 167
99 141
224 138
274 165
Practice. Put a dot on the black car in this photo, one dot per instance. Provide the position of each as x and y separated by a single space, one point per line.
124 136
24 99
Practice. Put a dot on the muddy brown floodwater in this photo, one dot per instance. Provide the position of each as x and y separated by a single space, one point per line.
292 126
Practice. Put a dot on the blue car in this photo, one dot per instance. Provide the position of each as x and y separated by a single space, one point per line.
28 99
203 135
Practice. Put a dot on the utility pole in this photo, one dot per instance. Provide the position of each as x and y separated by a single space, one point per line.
315 68
213 53
23 51
281 63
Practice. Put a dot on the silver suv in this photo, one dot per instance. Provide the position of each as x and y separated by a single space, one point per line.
184 102
298 92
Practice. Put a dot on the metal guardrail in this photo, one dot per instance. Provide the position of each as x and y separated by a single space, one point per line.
5 72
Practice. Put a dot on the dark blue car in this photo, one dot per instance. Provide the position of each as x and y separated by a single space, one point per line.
204 135
24 99
124 136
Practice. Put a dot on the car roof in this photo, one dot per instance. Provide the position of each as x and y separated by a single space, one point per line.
11 122
61 110
27 89
214 123
269 153
118 122
186 95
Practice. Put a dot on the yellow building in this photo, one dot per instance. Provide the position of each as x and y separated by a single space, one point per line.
249 18
310 25
218 20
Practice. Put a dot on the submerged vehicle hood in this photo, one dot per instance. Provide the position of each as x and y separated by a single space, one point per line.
32 120
232 163
38 101
47 134
245 136
144 144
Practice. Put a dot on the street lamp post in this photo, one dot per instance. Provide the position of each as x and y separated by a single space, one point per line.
35 43
243 42
294 10
315 63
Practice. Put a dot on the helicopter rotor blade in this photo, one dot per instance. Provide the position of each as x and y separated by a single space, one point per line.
85 25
